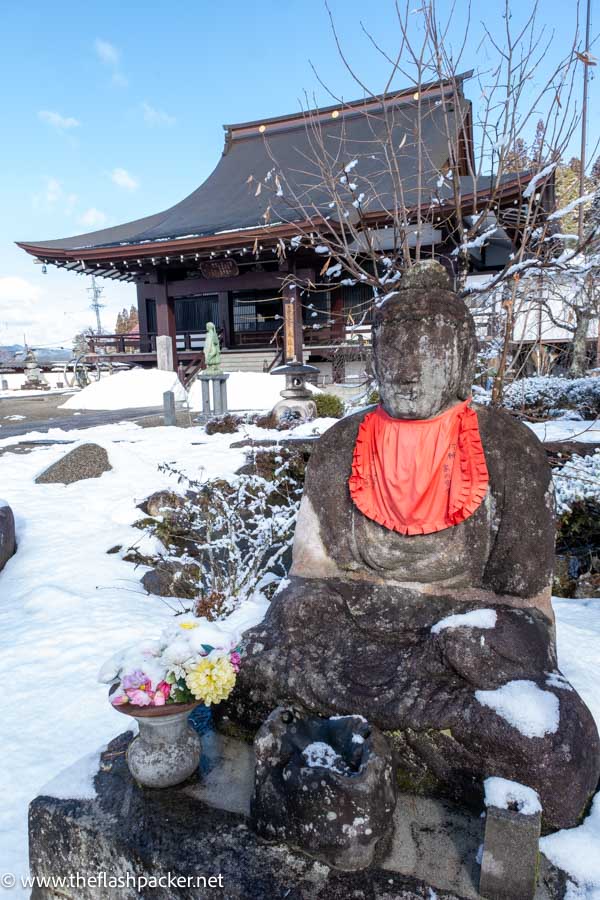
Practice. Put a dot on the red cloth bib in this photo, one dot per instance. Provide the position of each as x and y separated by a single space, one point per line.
419 476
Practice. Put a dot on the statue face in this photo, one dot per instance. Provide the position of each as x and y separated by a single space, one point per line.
417 364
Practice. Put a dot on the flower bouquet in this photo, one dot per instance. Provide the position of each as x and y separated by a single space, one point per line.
159 682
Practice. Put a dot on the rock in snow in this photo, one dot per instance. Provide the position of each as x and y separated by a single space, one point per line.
85 461
8 544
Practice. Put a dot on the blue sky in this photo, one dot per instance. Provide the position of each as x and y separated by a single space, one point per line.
114 110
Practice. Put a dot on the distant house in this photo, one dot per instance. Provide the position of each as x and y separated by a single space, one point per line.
215 257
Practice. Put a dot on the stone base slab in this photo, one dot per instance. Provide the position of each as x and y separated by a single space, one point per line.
201 828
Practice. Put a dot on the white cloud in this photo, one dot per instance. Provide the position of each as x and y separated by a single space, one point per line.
51 309
155 116
107 52
124 179
53 191
53 197
110 56
14 289
93 218
62 123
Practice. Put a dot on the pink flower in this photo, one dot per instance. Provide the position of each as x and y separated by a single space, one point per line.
164 688
235 660
119 699
158 698
139 698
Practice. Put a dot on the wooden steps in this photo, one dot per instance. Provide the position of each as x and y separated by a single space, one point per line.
246 360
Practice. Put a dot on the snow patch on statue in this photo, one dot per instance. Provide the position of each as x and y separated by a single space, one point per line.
477 618
525 706
506 794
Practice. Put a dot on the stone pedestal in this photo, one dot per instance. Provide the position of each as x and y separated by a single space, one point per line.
214 386
201 830
509 863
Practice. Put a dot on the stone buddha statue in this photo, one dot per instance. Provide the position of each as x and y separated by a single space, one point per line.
429 612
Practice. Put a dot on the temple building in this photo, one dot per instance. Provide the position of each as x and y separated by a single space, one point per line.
225 253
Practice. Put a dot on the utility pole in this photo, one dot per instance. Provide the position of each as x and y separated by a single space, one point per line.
95 293
586 65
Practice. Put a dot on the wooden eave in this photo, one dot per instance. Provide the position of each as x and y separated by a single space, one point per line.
171 248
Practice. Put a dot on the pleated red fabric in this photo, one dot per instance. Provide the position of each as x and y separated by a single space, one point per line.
419 476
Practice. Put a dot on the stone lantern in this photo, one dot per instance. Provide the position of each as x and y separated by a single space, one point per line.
296 402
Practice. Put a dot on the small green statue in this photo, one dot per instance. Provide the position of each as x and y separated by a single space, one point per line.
212 350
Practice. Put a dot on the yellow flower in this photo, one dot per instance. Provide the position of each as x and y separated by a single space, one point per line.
188 625
211 681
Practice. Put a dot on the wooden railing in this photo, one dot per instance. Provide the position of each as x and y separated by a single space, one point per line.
145 343
194 340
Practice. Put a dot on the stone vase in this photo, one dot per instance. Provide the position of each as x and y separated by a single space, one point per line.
167 749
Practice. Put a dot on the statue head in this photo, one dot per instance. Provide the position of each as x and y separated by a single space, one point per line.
210 326
424 346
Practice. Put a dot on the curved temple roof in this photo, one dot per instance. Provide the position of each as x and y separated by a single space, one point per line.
229 200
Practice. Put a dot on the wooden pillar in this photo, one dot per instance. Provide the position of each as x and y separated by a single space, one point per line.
142 290
292 325
338 329
225 318
165 319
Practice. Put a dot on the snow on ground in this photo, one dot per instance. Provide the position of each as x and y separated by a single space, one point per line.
247 391
128 390
16 379
578 639
66 605
145 387
576 851
317 426
586 430
76 782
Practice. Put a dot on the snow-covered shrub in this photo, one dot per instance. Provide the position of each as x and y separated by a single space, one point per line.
544 393
238 532
578 479
577 489
225 424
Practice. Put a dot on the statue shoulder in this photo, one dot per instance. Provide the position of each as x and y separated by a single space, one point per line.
331 459
503 432
341 434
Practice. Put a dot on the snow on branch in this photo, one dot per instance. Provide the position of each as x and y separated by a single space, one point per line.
541 176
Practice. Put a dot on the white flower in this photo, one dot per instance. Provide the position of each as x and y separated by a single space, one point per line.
178 656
